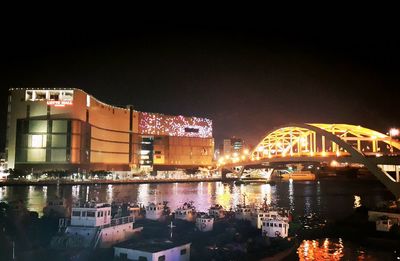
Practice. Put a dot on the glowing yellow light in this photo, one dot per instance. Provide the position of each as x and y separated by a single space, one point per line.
246 151
227 156
260 148
338 153
334 163
303 141
323 154
243 157
235 154
394 132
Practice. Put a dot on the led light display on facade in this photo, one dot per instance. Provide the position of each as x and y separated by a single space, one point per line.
159 124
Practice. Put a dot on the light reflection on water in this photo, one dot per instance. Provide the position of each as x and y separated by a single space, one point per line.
337 249
330 199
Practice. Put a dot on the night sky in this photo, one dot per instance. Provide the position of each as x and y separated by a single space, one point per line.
248 77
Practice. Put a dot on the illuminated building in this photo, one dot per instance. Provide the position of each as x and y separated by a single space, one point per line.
232 145
49 129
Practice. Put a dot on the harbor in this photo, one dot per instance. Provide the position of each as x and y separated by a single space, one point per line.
218 206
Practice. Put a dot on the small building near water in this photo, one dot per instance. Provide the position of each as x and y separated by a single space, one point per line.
153 250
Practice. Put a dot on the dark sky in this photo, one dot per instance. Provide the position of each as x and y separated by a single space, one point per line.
248 77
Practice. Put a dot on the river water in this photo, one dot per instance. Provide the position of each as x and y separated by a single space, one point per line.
330 199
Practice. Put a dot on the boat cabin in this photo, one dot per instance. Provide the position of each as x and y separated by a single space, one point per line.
275 228
185 213
216 211
204 222
243 212
384 225
91 214
154 211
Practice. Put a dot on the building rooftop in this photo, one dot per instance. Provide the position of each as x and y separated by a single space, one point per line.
152 245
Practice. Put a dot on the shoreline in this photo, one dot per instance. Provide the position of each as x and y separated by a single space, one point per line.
66 182
107 182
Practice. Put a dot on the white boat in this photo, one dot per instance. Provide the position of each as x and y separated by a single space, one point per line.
154 211
275 228
204 222
216 211
92 226
56 207
186 212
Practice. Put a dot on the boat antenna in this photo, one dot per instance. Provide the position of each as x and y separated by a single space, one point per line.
171 226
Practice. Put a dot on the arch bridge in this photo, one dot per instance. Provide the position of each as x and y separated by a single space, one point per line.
378 152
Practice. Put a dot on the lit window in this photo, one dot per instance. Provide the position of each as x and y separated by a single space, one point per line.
37 141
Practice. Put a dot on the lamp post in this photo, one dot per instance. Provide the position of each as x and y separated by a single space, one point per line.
393 132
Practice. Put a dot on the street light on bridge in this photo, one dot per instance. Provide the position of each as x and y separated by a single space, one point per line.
393 132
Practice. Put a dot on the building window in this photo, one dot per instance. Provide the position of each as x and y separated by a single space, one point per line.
183 251
192 130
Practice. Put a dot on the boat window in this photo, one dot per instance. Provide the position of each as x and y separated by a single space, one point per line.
142 258
83 213
90 214
280 225
76 213
161 258
98 214
183 251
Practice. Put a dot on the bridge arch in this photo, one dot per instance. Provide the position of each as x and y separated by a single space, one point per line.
297 139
